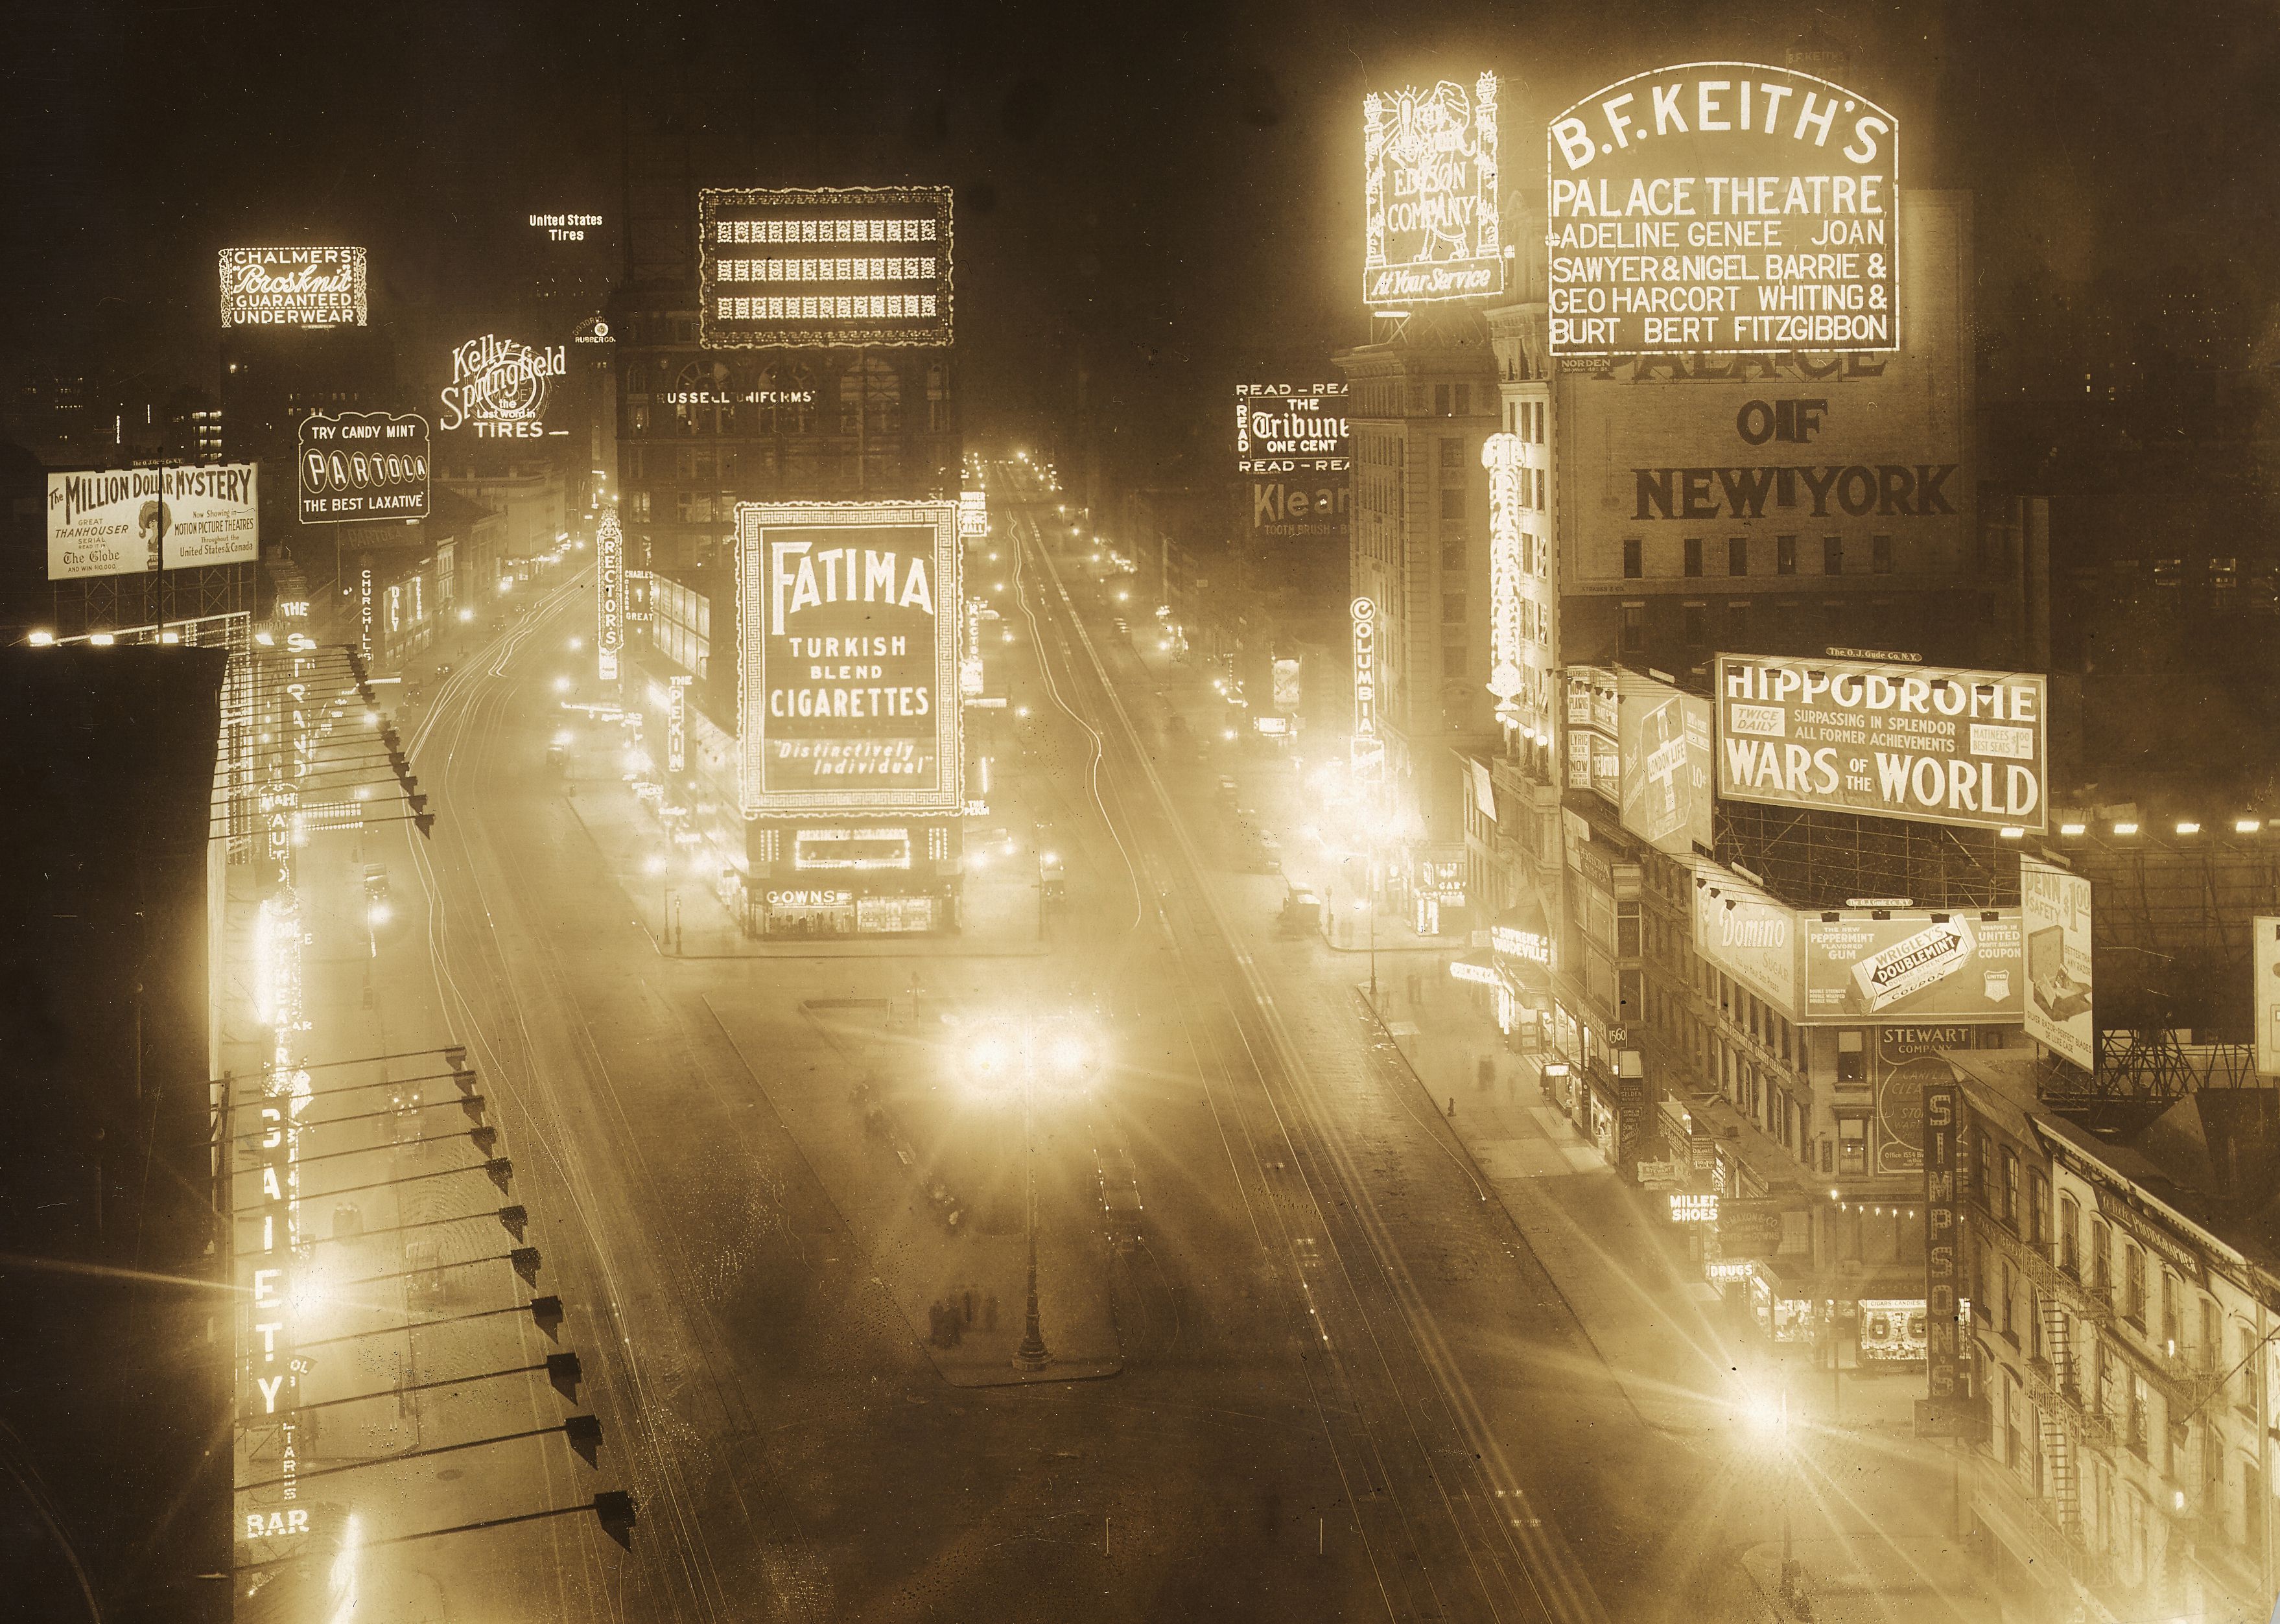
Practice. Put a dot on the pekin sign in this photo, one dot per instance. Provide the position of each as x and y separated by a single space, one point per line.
292 286
1722 207
499 387
1430 228
363 465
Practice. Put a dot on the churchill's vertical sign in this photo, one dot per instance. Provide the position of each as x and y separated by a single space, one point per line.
1429 201
1722 207
847 671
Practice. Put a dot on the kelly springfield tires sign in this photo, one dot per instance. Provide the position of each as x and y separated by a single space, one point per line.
847 671
1924 743
133 520
1722 207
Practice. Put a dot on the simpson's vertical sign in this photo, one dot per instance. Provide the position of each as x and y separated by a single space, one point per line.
1943 1150
1722 207
848 660
1430 229
609 592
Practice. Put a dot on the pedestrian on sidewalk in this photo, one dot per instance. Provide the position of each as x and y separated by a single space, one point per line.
934 1337
969 1305
989 1311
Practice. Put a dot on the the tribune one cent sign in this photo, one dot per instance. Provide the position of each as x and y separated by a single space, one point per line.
1722 207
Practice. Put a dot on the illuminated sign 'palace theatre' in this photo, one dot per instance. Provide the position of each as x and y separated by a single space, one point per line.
848 667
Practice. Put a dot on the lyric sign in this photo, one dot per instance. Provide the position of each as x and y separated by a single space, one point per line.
292 286
854 265
363 465
1722 207
133 520
1924 743
1429 223
848 664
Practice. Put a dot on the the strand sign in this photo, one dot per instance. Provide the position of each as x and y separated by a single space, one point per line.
292 286
831 266
363 465
1923 743
130 520
848 663
1430 226
1722 206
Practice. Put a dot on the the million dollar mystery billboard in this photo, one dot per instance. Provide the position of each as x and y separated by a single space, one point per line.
1294 454
847 671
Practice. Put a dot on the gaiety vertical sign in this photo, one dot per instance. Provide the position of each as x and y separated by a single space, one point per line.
849 615
608 593
1722 207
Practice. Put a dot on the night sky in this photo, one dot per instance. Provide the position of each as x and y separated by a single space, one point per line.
1163 196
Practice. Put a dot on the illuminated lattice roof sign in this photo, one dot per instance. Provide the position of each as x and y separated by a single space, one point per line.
292 286
844 265
1430 166
1722 207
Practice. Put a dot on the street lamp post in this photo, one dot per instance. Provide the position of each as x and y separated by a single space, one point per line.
1015 1054
1032 1354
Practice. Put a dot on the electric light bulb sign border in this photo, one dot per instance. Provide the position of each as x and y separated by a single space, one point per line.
848 265
363 466
1429 221
1723 208
847 670
292 286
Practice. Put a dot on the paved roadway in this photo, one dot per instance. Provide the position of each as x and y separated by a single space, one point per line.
1348 1391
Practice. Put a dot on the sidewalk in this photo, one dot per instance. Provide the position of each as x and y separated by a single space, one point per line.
1873 1511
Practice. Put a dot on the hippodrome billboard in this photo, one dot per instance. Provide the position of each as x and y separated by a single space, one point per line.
1288 436
849 615
852 265
1925 742
1430 222
128 520
1722 206
363 465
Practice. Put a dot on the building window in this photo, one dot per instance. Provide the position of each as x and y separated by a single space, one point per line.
2101 1266
1696 620
1851 1146
2003 1318
1634 560
1852 1067
1452 506
2038 1209
2009 1194
1737 555
1452 659
1452 457
2133 1284
1452 552
1832 555
1880 555
1738 622
1694 555
2071 1236
1634 629
1452 607
1784 555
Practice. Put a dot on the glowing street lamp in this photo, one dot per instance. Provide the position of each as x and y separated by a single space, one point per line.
1008 1057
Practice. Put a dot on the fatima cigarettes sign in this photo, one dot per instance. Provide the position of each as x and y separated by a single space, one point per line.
363 465
292 286
1430 228
848 664
1720 207
133 519
1923 743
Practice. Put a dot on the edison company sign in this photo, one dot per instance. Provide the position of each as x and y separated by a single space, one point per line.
1430 222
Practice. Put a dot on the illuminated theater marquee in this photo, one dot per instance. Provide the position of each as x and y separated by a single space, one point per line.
838 266
292 286
1429 175
848 659
1724 207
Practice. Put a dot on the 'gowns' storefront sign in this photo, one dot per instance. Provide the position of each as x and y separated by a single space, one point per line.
1722 206
133 520
363 465
848 662
1430 200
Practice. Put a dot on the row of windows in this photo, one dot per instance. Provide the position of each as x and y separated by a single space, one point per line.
1525 419
1736 621
1738 556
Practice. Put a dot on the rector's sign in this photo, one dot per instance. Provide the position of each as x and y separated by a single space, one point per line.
1722 206
1924 743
